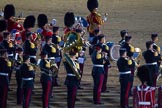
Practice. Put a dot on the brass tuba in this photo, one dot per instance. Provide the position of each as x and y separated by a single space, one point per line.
73 66
72 41
137 55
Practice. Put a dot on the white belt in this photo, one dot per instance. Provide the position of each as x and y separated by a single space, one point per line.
144 103
71 75
45 73
4 74
33 57
51 58
10 55
27 79
98 65
124 73
17 68
154 63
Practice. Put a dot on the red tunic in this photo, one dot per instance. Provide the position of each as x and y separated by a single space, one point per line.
95 21
13 25
45 33
144 97
23 35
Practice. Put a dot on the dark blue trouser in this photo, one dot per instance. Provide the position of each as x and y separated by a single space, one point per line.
46 92
19 89
125 87
71 96
27 92
98 82
3 91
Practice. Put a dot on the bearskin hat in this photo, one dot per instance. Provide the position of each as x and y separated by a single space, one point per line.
143 73
29 22
92 4
42 20
3 25
69 19
9 11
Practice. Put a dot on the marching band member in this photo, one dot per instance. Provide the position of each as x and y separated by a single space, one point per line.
30 48
3 26
28 74
69 20
97 73
72 82
51 50
43 25
105 51
29 24
143 95
7 44
9 14
123 33
124 66
130 51
151 57
81 56
154 38
18 62
56 40
46 79
58 56
94 19
4 71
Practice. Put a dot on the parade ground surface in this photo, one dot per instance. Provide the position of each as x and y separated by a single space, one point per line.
139 17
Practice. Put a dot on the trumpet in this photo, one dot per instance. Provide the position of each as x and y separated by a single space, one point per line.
36 67
20 20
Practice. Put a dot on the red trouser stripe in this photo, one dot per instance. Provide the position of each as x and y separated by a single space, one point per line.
127 93
48 89
99 88
4 97
74 89
28 97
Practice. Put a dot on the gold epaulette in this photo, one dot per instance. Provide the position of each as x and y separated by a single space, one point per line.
10 45
132 49
129 62
30 67
47 64
9 64
58 39
32 45
77 65
53 50
155 53
99 56
158 49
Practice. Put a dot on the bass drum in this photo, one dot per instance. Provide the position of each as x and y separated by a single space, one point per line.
114 51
